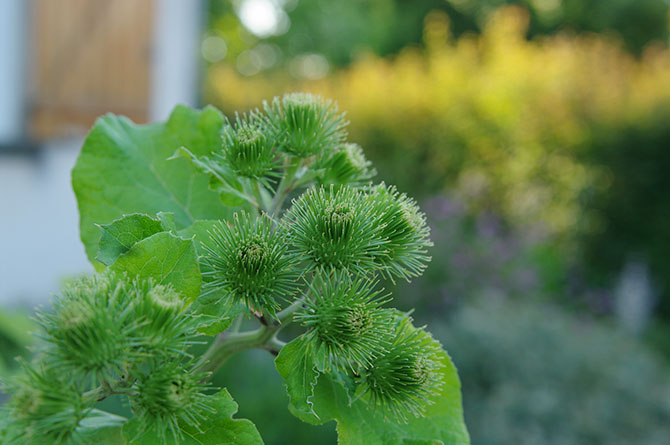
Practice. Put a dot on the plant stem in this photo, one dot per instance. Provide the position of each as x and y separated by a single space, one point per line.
275 345
228 344
286 316
105 390
235 326
256 190
96 394
285 186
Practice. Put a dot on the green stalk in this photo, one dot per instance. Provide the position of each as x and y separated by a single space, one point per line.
285 186
255 188
265 337
231 342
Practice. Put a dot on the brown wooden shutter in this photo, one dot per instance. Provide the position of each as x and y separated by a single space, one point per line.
88 57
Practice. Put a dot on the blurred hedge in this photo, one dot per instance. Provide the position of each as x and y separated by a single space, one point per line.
340 30
534 375
15 337
480 257
531 374
545 131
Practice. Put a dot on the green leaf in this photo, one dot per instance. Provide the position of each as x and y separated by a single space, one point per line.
215 315
101 428
222 428
221 179
295 365
219 428
356 423
166 258
121 234
199 229
123 168
167 221
109 435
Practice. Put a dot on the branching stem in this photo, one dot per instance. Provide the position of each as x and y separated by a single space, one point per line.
228 344
256 190
284 188
105 390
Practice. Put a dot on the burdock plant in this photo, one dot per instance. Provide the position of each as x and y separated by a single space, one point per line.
198 228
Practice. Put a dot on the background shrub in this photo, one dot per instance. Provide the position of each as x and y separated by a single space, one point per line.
525 129
533 374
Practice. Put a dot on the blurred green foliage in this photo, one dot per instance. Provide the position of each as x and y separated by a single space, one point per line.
343 30
481 257
633 212
533 374
568 133
14 337
635 22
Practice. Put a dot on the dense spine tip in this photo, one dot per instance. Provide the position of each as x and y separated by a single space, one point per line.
249 262
346 323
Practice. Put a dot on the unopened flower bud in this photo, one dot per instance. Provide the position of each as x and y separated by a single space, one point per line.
404 380
404 228
336 228
248 148
304 124
346 322
249 262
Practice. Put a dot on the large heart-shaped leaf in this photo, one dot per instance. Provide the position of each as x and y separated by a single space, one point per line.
123 168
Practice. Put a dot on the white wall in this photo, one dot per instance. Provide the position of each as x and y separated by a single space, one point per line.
175 59
12 69
39 225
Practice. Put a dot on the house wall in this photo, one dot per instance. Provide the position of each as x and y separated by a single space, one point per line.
39 227
85 58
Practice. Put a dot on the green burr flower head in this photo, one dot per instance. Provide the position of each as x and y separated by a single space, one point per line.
249 262
403 226
92 325
168 394
345 320
45 408
403 381
103 324
345 164
335 228
248 147
165 299
164 326
304 124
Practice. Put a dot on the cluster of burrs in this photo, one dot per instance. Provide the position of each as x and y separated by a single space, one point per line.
110 335
318 262
326 253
